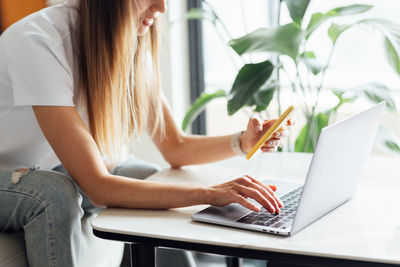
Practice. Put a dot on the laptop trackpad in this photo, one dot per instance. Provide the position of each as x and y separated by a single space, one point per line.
236 211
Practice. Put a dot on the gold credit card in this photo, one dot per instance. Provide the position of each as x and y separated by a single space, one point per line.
271 130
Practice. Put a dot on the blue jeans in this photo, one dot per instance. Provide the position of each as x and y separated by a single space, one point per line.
48 206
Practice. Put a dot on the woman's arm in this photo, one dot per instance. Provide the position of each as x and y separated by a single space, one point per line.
78 152
180 149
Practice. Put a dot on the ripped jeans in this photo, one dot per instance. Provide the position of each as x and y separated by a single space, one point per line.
48 206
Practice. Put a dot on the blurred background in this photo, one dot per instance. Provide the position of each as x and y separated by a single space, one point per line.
196 59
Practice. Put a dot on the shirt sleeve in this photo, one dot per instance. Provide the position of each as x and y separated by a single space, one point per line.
39 73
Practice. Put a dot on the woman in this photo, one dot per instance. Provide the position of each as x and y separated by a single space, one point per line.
76 81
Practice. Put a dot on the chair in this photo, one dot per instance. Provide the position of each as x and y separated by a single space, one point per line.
96 252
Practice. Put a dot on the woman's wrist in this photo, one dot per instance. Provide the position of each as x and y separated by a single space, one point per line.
236 144
202 195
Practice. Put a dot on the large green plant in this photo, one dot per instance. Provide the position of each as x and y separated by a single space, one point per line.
255 84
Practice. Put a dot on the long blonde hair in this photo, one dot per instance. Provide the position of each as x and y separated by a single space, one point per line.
119 81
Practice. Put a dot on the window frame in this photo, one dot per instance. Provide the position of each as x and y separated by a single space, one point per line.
196 57
196 62
1 27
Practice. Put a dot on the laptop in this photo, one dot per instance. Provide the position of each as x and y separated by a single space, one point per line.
340 155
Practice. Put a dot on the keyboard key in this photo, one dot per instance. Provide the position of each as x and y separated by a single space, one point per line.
285 217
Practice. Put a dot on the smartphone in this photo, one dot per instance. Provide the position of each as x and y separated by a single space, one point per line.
271 130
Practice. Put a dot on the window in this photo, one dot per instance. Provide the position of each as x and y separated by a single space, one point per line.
359 56
221 64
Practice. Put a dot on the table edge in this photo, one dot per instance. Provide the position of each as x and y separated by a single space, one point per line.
289 257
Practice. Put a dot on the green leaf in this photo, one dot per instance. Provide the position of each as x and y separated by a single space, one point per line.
338 93
352 9
248 81
199 105
392 55
309 59
393 146
196 13
297 9
318 18
303 137
262 98
283 40
322 121
386 140
335 30
308 54
309 133
390 30
376 93
392 41
199 13
313 65
341 95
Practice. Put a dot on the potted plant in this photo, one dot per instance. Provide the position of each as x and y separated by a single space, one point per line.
256 85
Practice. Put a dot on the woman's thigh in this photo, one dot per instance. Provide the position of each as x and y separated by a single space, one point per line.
46 205
26 193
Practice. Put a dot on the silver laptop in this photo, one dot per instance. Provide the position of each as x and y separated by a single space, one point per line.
336 167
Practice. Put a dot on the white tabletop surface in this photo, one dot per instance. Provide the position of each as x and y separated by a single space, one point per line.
365 228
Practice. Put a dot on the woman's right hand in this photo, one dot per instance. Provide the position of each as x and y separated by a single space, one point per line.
239 189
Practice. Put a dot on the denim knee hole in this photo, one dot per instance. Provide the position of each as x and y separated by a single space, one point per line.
17 175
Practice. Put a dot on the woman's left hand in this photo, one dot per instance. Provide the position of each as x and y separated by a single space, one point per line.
256 128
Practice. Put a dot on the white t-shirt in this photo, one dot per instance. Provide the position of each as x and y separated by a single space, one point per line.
38 66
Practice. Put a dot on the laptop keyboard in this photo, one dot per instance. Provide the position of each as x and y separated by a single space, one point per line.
282 221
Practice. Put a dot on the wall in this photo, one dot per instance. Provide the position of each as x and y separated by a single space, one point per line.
14 10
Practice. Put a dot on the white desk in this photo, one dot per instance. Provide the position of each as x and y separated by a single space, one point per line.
363 232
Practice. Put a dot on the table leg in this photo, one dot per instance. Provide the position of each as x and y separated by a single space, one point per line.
143 255
234 262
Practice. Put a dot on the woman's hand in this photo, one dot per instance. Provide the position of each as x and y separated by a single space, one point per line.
256 128
239 189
